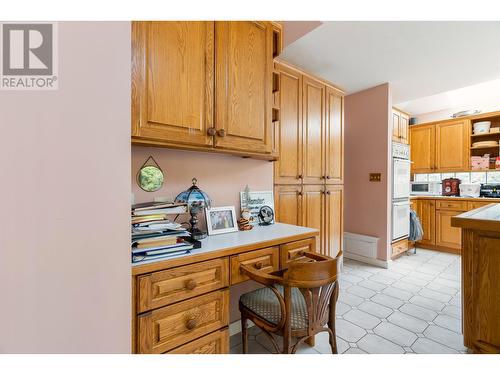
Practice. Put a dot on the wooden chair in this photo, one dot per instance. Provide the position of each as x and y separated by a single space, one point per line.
296 303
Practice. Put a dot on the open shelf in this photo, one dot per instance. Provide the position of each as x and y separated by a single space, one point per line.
485 135
484 147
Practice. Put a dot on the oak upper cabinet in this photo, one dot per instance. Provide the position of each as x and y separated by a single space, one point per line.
288 204
395 125
334 209
423 143
244 58
288 167
334 136
313 130
404 123
440 147
313 211
400 123
452 146
426 211
172 82
204 85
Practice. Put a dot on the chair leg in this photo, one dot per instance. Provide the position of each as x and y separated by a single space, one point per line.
244 334
333 340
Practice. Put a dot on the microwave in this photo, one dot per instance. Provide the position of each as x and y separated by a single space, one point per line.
426 188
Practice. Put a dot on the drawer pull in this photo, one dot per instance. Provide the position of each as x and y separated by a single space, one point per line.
191 324
301 253
300 177
258 265
191 284
221 132
211 131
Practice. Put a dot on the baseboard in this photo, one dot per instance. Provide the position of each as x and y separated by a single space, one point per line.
235 327
372 261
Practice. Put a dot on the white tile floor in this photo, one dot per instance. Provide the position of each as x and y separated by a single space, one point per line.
412 307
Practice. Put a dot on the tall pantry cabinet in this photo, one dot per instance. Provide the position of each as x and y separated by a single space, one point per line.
308 175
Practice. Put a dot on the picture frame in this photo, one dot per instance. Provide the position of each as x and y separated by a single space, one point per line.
254 200
221 220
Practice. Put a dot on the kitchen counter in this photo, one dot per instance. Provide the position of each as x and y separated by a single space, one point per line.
485 218
480 199
230 243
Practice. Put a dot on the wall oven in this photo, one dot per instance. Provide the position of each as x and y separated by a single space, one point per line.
400 191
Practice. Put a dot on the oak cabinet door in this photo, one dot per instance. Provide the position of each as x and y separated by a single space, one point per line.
243 80
422 142
395 126
452 146
313 124
446 235
313 211
288 204
404 121
172 81
288 169
334 137
426 211
334 220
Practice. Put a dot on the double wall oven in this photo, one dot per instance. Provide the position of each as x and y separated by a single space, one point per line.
400 191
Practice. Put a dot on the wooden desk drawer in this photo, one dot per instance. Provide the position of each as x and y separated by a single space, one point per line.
294 250
451 205
213 343
474 205
169 327
266 260
176 284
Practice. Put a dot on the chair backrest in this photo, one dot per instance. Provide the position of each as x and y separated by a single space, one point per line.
313 271
315 276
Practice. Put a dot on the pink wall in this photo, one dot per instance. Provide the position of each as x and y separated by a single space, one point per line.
222 177
65 184
367 149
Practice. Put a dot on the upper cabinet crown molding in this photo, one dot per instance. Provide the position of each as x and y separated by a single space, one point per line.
204 85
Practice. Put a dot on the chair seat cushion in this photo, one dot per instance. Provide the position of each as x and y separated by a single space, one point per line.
264 303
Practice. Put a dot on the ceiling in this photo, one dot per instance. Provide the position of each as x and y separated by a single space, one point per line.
418 59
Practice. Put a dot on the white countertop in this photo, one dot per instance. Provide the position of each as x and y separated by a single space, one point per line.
241 238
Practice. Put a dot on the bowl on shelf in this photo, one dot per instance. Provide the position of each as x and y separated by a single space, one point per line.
482 127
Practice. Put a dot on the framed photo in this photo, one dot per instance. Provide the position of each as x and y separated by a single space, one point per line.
254 200
221 220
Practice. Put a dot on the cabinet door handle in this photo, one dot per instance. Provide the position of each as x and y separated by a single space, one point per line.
191 324
211 131
327 177
300 193
221 133
328 192
300 177
191 284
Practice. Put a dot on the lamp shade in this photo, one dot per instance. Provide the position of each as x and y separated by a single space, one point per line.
194 197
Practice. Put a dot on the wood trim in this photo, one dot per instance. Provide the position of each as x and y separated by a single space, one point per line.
194 258
136 141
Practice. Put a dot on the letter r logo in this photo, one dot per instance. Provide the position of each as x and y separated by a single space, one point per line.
27 49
